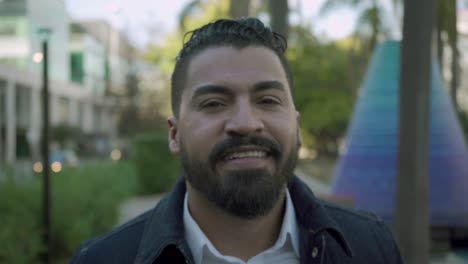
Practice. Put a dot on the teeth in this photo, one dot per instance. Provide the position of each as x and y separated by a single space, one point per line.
247 154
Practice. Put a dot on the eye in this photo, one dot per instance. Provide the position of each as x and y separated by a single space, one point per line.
212 104
269 100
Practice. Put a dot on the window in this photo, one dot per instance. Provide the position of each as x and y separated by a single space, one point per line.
77 67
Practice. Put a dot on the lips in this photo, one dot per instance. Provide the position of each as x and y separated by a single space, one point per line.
244 149
244 158
246 154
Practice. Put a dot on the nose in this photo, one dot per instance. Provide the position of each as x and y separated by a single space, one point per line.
244 121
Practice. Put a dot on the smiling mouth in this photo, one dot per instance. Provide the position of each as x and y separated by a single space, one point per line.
248 152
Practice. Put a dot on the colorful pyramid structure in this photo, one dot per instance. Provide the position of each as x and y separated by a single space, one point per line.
366 170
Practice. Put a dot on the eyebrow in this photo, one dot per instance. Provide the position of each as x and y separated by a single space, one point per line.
219 89
210 89
268 85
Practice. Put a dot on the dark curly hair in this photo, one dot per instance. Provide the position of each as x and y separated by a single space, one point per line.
238 33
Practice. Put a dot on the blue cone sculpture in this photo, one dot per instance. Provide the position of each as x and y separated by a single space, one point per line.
366 171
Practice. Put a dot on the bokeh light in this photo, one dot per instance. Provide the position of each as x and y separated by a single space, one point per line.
37 57
116 154
37 167
56 166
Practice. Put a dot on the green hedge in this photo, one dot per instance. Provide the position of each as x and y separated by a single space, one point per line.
85 203
157 168
19 223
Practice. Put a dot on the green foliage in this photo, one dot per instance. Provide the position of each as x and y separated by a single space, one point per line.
19 223
201 12
84 203
463 119
195 14
63 132
157 168
323 89
86 200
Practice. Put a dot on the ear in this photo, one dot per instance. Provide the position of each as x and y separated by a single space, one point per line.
173 136
299 134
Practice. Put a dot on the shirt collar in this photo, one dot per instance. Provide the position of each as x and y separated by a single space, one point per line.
289 226
194 236
198 242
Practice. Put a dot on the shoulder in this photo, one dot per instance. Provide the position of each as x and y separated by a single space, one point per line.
346 213
365 232
118 246
352 221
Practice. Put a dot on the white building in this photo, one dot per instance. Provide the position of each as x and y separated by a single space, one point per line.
78 100
120 54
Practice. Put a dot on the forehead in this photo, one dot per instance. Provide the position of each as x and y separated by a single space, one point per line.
230 66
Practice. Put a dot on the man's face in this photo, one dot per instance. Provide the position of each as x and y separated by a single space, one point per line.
237 131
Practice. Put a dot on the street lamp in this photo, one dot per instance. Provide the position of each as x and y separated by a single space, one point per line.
44 34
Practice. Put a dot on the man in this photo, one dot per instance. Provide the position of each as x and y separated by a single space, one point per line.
235 129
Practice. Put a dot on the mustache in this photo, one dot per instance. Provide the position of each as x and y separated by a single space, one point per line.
238 141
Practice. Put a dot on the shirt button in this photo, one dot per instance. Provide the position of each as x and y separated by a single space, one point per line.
314 252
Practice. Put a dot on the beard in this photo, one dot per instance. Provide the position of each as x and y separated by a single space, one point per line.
247 193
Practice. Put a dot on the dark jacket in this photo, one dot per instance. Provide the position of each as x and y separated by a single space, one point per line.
327 234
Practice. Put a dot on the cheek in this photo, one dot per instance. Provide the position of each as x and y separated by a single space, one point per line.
286 134
201 134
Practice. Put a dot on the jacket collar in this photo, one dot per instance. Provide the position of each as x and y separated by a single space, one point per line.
165 225
312 214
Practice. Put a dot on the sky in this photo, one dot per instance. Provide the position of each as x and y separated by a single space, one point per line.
148 20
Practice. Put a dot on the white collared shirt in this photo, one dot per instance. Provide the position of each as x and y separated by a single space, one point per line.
285 249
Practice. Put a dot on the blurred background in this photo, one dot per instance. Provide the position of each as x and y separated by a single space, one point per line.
109 96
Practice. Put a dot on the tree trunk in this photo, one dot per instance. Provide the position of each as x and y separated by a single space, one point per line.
374 26
412 201
11 123
440 43
455 67
2 110
239 8
279 16
455 76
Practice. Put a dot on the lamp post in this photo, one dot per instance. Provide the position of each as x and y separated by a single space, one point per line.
412 222
44 34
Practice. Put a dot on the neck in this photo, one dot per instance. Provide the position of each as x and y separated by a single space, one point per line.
232 235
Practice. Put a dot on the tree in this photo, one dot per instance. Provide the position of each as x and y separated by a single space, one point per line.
235 9
412 201
322 90
370 18
186 12
370 26
239 8
198 12
279 16
451 28
447 26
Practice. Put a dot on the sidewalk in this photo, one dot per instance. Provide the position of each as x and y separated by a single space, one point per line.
137 205
450 258
318 187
